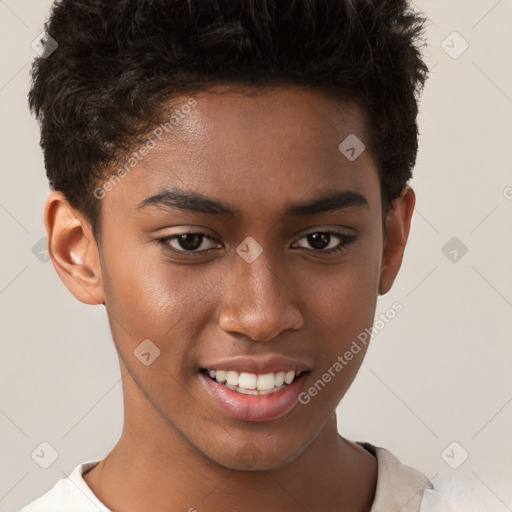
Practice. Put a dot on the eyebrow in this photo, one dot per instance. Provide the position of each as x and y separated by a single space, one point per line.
193 201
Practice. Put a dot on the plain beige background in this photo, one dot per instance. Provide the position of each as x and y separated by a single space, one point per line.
437 374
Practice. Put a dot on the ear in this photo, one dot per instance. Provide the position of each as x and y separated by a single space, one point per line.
73 249
398 223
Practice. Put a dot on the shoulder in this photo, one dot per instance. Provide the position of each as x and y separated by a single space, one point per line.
403 488
463 492
69 493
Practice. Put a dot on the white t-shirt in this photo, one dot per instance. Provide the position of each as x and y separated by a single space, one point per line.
400 488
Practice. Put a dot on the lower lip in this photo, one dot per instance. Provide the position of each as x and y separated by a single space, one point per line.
256 407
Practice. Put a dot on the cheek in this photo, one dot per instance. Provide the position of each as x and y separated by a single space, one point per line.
148 297
343 313
151 300
344 296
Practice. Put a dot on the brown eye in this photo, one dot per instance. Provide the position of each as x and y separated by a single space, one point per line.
319 240
187 242
324 242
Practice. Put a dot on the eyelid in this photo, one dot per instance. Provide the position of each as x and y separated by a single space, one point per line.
330 229
344 240
339 234
166 240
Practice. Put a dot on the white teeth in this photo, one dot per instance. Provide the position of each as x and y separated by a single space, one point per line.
266 381
232 378
250 383
244 391
288 377
220 375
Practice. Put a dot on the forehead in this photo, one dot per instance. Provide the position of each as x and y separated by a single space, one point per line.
271 108
254 145
245 120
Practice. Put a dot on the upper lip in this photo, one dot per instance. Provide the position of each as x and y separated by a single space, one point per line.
258 366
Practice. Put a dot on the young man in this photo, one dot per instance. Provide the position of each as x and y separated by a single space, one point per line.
230 180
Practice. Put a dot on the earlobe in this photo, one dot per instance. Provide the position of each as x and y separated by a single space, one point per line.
398 225
73 249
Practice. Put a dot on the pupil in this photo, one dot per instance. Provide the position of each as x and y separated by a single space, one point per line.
319 240
185 239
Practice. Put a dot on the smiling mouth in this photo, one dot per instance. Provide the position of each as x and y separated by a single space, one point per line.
251 383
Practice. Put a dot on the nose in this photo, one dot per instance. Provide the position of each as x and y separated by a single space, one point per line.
259 300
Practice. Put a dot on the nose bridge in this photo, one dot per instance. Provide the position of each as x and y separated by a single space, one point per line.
257 299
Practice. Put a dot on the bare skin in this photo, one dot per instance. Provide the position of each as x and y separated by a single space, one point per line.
179 450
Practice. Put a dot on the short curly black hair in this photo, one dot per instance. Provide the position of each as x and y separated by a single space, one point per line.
118 62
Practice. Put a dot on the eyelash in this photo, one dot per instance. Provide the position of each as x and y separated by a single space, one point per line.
345 241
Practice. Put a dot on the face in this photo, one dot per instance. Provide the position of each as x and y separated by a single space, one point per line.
244 240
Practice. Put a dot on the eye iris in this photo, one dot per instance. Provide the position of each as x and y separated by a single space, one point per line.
319 240
189 241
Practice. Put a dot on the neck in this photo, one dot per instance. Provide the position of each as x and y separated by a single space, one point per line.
152 467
